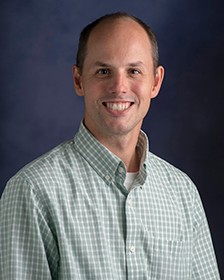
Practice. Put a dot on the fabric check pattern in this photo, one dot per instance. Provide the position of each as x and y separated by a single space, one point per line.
67 215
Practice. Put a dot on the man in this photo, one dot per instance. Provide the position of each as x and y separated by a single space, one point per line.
102 206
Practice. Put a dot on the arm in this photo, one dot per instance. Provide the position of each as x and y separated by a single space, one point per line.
28 248
204 260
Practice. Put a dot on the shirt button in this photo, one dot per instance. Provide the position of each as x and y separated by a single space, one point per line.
120 169
129 202
132 249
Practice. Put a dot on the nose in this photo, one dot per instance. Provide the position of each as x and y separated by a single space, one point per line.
118 83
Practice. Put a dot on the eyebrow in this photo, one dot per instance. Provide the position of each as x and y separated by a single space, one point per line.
132 64
137 63
102 64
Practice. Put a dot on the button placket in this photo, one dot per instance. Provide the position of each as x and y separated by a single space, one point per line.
129 202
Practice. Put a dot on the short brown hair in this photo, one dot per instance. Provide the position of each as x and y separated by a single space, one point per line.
84 36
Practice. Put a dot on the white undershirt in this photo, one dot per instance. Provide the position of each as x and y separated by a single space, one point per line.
129 180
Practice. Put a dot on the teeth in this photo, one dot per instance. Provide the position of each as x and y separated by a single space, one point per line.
118 106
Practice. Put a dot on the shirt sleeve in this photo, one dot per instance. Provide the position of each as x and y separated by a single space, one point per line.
204 260
28 248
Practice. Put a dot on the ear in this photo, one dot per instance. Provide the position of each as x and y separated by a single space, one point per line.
77 80
159 75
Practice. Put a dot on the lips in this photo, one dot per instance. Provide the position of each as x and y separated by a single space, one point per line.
117 106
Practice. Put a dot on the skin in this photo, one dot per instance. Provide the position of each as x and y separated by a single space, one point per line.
118 82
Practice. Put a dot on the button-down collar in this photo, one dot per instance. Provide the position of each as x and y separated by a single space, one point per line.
103 161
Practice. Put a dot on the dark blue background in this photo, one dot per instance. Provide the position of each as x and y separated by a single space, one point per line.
39 109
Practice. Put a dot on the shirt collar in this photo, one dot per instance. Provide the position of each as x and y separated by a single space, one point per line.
102 160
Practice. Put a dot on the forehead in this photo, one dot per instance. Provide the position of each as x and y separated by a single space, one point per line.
123 32
110 27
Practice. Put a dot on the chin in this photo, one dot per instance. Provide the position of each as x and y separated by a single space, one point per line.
119 130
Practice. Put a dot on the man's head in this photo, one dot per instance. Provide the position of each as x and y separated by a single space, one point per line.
117 77
84 36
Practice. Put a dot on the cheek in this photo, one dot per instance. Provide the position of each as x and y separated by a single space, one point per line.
144 97
94 88
92 95
143 92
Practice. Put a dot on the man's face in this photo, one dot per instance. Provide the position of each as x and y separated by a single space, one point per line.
118 79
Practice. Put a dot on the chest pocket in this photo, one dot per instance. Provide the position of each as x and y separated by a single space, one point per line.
170 259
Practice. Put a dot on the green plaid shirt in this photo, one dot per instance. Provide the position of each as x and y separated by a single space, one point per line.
67 215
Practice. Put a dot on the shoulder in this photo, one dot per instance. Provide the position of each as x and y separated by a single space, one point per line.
170 177
49 162
45 173
165 168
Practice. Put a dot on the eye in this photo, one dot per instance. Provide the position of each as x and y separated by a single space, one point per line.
103 71
134 71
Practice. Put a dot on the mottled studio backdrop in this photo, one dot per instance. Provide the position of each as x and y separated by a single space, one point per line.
39 109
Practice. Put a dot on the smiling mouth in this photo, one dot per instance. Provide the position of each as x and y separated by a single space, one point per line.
117 106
